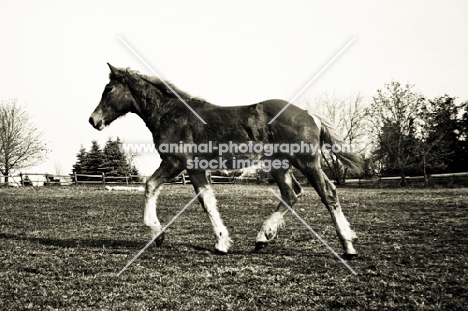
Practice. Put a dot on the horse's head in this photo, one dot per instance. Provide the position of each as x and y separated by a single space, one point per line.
116 100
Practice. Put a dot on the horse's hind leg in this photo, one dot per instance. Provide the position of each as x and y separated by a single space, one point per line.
327 192
270 226
208 201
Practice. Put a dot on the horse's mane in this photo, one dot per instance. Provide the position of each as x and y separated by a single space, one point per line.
160 85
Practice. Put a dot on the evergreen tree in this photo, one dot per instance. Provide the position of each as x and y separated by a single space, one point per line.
111 160
115 162
94 159
81 164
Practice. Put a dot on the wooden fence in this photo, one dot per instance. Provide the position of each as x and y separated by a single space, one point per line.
34 179
41 179
447 180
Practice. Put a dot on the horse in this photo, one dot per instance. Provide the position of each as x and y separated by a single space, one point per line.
163 108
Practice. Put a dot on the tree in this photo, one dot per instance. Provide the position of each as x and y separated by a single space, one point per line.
21 144
392 126
437 133
347 113
111 160
115 162
59 169
459 161
94 159
464 121
81 164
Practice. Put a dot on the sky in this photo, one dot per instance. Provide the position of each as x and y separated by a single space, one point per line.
54 54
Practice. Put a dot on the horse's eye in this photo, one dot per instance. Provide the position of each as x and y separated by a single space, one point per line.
107 89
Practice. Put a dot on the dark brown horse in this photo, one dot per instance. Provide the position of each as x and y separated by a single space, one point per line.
171 122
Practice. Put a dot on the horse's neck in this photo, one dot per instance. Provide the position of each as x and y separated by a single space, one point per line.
149 102
153 110
156 109
150 111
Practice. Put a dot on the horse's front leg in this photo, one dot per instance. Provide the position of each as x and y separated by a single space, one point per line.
270 227
207 199
167 171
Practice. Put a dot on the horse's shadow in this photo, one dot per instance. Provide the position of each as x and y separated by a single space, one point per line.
135 245
74 242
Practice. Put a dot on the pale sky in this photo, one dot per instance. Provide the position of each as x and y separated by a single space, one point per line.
54 54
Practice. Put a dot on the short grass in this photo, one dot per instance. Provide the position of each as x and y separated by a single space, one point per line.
60 249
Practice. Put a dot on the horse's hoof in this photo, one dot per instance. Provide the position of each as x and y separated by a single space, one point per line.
218 252
260 245
349 256
160 239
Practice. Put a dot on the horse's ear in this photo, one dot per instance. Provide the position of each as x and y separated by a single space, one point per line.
113 69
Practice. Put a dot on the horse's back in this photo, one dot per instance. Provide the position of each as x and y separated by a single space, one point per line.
252 121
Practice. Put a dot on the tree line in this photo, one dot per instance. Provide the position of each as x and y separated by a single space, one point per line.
110 160
399 132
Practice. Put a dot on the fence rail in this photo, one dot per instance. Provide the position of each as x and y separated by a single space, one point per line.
41 179
451 179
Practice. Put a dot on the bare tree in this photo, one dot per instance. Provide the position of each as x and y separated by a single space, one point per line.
347 113
59 169
21 144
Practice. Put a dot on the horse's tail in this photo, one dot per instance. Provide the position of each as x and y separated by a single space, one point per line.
330 135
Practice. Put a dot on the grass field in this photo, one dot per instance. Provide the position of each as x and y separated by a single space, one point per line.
61 249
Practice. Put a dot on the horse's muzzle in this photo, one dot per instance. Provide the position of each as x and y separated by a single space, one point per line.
99 125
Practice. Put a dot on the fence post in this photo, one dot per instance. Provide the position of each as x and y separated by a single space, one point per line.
75 179
21 179
126 179
103 177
